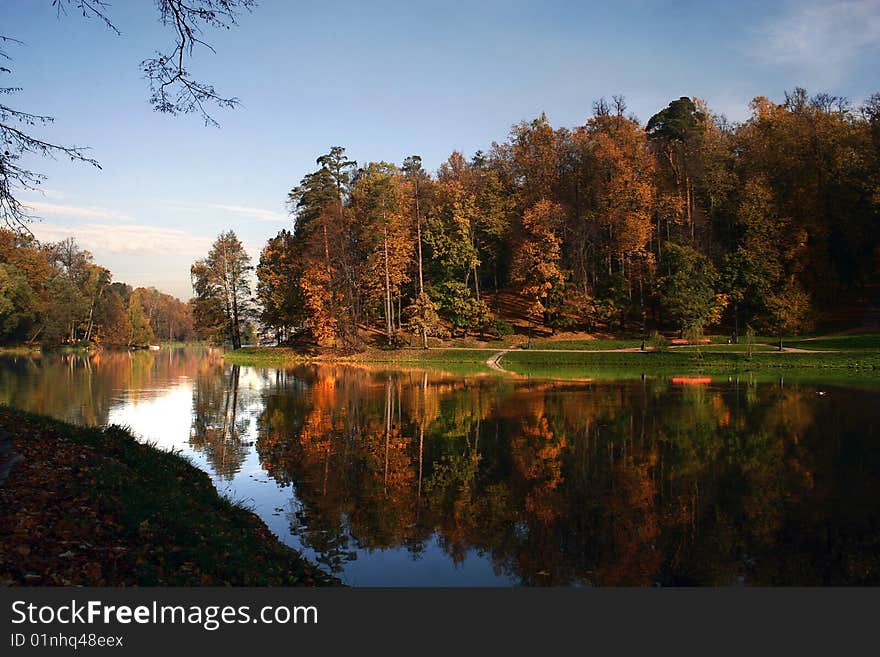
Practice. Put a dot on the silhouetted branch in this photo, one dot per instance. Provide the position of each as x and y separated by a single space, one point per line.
89 9
173 91
15 143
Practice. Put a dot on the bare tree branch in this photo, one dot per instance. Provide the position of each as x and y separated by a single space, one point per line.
172 91
89 9
14 144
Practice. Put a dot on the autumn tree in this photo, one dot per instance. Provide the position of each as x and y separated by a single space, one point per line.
687 289
676 131
537 257
222 290
324 240
787 310
379 203
421 314
612 229
140 331
277 289
17 304
55 293
579 224
114 327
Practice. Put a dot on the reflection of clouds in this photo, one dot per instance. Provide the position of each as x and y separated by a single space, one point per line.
226 405
251 378
537 482
162 416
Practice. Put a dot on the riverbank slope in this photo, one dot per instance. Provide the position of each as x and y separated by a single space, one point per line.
90 506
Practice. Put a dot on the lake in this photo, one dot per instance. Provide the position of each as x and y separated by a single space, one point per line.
408 477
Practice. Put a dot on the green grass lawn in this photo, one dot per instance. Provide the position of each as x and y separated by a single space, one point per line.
857 342
720 348
858 354
587 345
708 359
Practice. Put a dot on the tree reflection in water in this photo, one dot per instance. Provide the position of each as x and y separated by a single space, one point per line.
606 484
219 424
612 483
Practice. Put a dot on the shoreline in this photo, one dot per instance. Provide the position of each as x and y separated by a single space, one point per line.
93 506
806 354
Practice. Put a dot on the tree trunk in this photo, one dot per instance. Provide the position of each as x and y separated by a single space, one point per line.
388 327
688 195
419 242
736 323
329 274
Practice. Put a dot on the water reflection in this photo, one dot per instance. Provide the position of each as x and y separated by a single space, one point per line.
411 477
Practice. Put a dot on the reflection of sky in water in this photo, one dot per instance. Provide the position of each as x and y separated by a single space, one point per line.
651 480
164 415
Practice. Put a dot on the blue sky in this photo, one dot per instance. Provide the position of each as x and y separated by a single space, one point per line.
385 80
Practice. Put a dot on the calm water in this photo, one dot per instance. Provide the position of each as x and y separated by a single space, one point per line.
409 477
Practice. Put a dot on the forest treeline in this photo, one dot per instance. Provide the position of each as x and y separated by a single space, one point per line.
54 294
682 223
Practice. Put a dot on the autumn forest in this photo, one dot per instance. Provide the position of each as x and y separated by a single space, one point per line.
683 223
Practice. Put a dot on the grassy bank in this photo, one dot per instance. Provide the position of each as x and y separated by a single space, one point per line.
846 370
19 350
282 356
702 360
855 354
90 506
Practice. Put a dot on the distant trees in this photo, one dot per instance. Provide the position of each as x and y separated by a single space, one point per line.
18 304
221 284
54 294
169 318
116 329
683 223
140 331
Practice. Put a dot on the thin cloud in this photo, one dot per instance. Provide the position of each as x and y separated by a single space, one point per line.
259 214
127 239
256 214
75 211
822 39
